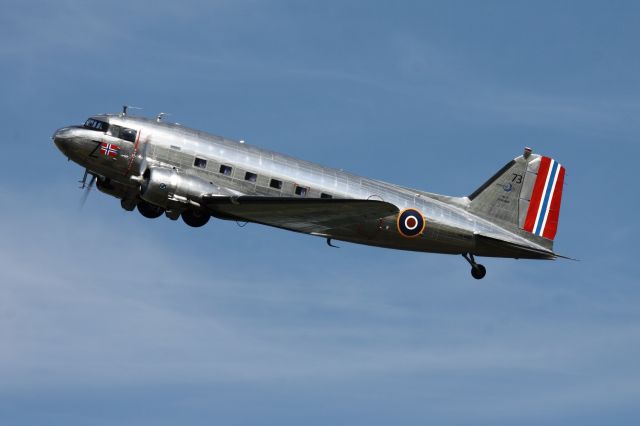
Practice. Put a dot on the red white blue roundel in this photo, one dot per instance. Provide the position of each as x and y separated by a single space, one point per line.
411 223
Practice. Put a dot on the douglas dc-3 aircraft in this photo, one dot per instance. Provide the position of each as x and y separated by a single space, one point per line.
165 168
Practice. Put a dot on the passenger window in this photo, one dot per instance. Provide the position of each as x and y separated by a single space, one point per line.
200 162
275 183
251 177
324 195
225 170
301 191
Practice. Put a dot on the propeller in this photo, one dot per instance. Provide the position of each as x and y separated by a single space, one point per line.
141 160
87 188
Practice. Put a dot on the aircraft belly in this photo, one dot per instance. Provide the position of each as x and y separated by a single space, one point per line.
435 238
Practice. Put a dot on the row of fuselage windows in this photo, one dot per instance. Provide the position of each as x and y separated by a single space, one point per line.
301 191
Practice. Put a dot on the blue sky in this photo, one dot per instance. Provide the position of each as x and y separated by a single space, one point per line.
109 318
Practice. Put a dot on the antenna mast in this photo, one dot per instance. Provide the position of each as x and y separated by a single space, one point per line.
125 108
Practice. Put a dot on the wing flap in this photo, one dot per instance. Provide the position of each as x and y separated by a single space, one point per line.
308 215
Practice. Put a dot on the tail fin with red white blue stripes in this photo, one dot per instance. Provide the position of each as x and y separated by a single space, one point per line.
525 196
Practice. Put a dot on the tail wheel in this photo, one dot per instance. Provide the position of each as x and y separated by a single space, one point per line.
149 210
195 218
478 271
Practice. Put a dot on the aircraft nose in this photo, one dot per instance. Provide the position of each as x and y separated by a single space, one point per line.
61 138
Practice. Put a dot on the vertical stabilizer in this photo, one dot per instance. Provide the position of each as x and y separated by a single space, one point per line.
524 195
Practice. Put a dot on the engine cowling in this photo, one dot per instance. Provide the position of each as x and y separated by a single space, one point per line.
114 188
169 189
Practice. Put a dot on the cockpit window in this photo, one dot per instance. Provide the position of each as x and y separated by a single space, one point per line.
128 134
114 130
96 125
123 133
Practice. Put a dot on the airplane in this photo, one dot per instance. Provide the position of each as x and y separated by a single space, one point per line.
165 168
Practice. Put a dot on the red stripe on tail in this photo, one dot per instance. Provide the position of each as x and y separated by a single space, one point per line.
551 227
536 195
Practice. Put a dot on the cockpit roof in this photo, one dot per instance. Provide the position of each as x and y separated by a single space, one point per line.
109 118
128 120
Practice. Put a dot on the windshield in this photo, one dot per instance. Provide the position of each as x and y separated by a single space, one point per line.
94 124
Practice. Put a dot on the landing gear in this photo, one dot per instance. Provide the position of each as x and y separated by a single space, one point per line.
128 204
195 217
478 271
148 210
172 214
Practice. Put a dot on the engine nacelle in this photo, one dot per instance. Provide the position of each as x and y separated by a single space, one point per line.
114 188
169 189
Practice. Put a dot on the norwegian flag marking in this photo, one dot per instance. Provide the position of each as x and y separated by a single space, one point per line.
109 149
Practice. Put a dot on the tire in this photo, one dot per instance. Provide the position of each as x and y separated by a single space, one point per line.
195 218
478 272
149 210
128 204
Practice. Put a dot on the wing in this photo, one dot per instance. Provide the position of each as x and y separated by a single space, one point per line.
308 215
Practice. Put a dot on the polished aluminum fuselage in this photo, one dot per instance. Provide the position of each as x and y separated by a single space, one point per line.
451 227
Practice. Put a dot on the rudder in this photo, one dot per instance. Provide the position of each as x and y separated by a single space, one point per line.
544 182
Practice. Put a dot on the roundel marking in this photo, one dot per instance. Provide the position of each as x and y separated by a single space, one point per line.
411 223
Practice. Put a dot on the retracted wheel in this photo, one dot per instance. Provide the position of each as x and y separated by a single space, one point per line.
195 217
148 210
128 204
478 271
172 214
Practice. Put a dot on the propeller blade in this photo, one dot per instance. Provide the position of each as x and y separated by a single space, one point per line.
138 162
143 161
83 181
85 193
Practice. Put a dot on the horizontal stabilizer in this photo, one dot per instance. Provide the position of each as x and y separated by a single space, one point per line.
514 249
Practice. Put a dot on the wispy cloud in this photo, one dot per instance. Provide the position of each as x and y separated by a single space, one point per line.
105 301
85 304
